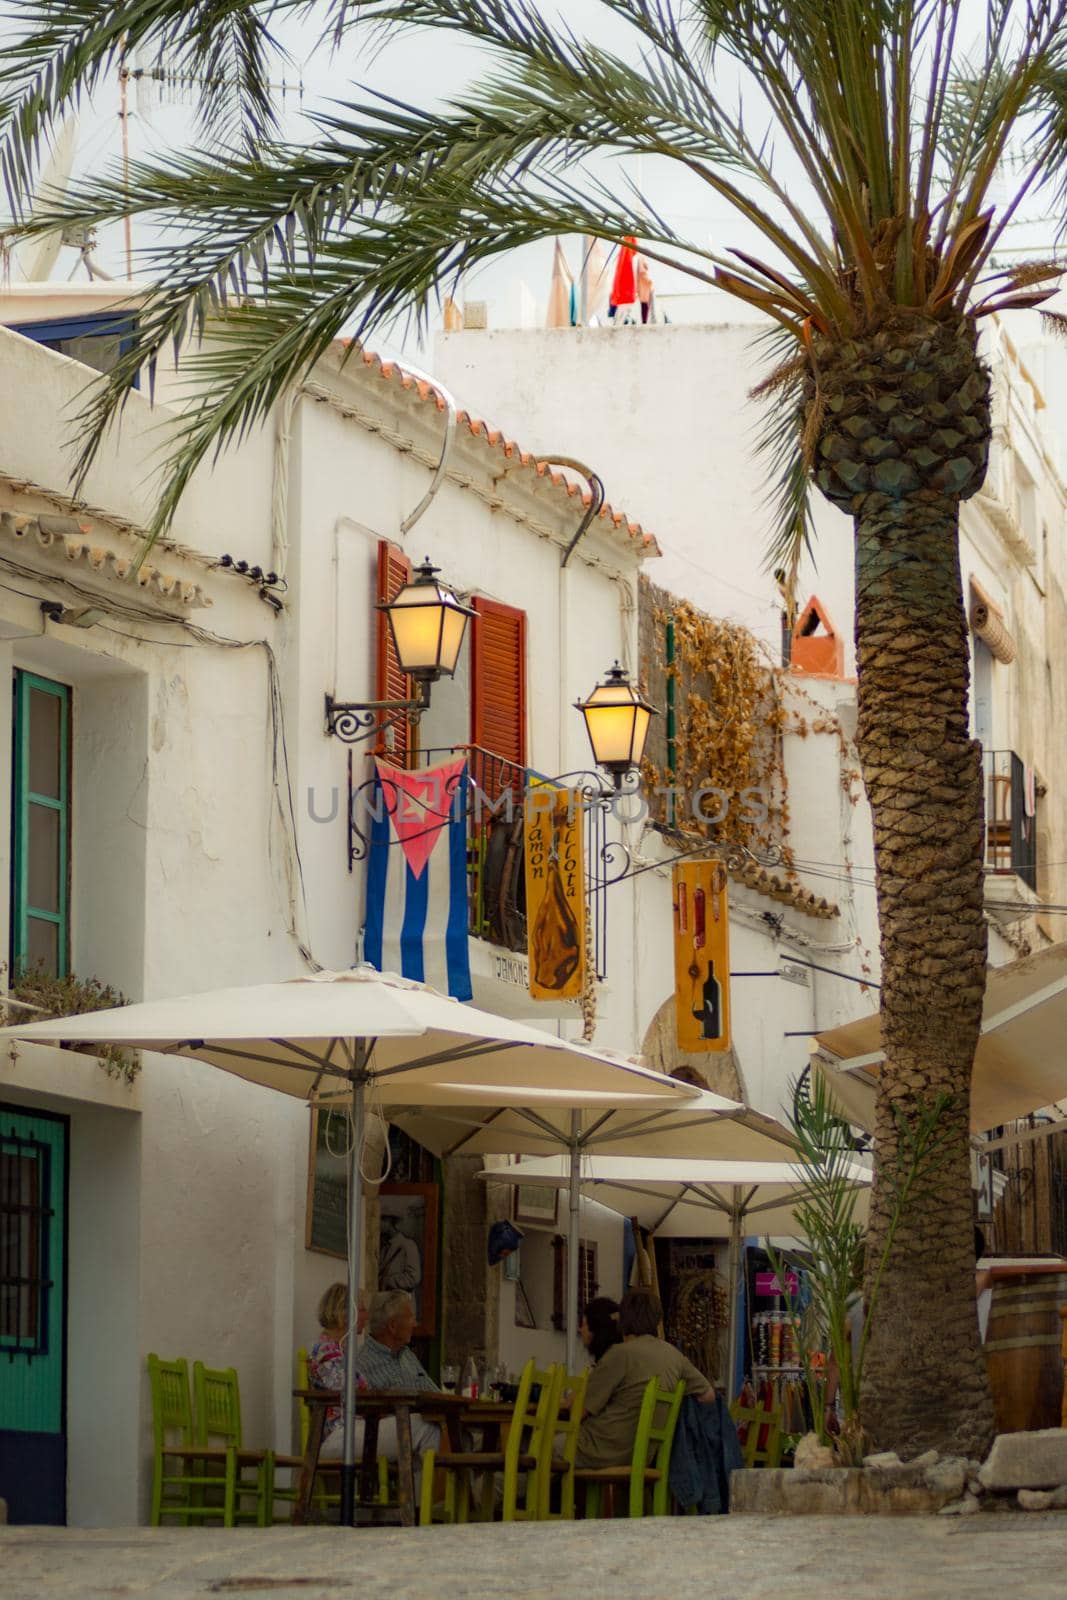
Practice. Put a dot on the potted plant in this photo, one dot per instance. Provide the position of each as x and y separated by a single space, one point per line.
37 993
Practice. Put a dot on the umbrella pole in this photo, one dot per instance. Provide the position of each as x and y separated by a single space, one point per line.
734 1271
355 1259
573 1242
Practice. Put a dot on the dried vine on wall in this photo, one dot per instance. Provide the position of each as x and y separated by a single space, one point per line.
729 725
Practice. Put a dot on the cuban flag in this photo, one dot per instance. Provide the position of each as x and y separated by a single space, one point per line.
416 921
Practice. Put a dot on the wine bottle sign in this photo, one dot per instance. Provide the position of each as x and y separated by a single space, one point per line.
555 892
701 956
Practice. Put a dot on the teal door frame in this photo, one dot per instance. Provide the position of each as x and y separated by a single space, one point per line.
34 1210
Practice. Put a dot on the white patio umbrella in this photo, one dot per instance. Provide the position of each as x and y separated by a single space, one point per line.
705 1127
341 1037
687 1199
1020 1065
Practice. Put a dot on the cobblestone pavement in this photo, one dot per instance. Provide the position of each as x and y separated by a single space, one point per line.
715 1558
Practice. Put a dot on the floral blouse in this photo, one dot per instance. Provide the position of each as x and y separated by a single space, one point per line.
326 1370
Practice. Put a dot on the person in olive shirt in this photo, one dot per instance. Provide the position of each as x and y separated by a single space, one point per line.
617 1382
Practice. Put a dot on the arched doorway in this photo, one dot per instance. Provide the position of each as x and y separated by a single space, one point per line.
719 1071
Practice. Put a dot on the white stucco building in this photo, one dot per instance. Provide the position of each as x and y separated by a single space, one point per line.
177 821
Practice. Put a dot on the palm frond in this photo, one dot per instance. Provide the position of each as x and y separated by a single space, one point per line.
1048 141
63 49
1054 322
780 443
284 256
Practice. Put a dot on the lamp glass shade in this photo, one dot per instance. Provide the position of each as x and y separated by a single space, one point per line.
428 624
616 720
453 627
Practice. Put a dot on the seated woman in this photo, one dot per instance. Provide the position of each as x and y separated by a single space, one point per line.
326 1366
617 1382
599 1327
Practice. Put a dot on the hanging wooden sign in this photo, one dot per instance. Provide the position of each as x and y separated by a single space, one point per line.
555 892
701 956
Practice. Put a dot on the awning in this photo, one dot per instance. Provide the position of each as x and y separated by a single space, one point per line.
1021 1062
987 621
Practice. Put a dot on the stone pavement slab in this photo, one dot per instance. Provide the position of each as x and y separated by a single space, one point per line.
706 1558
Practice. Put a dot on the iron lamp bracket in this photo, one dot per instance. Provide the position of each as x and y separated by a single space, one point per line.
355 720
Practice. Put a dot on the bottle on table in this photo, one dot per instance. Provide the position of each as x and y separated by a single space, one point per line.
469 1386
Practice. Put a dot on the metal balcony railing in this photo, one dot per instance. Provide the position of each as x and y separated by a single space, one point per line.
1011 816
496 874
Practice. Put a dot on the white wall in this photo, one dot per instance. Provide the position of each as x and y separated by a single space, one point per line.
663 414
187 1224
537 1265
227 505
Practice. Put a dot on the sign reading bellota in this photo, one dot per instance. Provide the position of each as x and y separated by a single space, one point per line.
555 892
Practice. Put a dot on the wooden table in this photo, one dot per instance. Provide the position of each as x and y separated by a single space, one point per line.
454 1411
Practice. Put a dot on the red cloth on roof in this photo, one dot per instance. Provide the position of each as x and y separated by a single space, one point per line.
623 287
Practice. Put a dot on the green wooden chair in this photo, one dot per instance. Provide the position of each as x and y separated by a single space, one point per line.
523 1461
188 1479
561 1467
218 1417
650 1461
754 1419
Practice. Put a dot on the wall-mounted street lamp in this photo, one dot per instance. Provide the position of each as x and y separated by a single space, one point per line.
427 624
616 719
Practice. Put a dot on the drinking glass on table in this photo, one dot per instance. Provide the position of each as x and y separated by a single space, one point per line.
449 1378
498 1381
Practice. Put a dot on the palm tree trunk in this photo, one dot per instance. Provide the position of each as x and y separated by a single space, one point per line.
924 1380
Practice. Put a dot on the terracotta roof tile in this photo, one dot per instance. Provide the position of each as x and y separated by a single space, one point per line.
69 538
494 438
779 888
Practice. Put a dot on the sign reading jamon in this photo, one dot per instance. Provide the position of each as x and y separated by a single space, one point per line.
555 891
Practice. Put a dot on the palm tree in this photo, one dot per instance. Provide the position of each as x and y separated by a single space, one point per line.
878 236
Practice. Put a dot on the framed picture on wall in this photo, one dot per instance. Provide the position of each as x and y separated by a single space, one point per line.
326 1222
407 1247
536 1204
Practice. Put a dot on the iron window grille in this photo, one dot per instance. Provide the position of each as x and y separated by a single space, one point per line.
25 1183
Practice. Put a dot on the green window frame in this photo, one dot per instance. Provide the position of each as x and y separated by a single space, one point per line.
25 907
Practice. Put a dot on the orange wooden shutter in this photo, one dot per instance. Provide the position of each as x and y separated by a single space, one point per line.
394 570
498 681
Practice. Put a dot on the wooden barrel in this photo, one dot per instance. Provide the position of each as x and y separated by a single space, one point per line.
1024 1350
